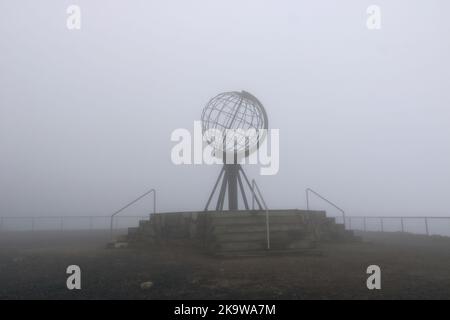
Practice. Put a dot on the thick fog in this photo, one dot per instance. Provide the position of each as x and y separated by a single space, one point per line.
86 115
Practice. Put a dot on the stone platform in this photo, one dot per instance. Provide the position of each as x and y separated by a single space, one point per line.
240 232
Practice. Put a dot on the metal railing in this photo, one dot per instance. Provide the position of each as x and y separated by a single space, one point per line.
255 187
428 225
309 190
153 191
65 223
401 219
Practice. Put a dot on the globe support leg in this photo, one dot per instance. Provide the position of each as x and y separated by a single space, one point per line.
231 172
230 178
214 189
241 186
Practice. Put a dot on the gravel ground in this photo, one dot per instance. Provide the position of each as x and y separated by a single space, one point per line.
33 266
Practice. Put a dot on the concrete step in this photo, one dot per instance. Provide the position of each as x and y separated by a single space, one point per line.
302 244
348 235
339 227
239 237
262 245
243 231
259 219
143 223
249 228
133 231
239 246
264 253
291 212
260 235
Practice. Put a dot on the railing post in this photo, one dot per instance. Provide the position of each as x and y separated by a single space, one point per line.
364 221
350 223
255 186
403 226
426 226
307 199
154 200
111 227
267 228
253 195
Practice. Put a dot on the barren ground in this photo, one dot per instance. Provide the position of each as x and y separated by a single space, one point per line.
33 265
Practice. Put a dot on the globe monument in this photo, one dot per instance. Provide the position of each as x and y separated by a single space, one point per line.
234 124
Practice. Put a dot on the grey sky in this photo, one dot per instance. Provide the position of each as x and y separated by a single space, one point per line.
86 116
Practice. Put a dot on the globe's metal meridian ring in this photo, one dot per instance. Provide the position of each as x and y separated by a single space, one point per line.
239 118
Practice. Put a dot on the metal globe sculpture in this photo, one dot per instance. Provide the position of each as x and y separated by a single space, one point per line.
240 121
239 118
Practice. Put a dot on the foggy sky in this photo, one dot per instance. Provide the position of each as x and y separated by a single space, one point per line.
86 116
